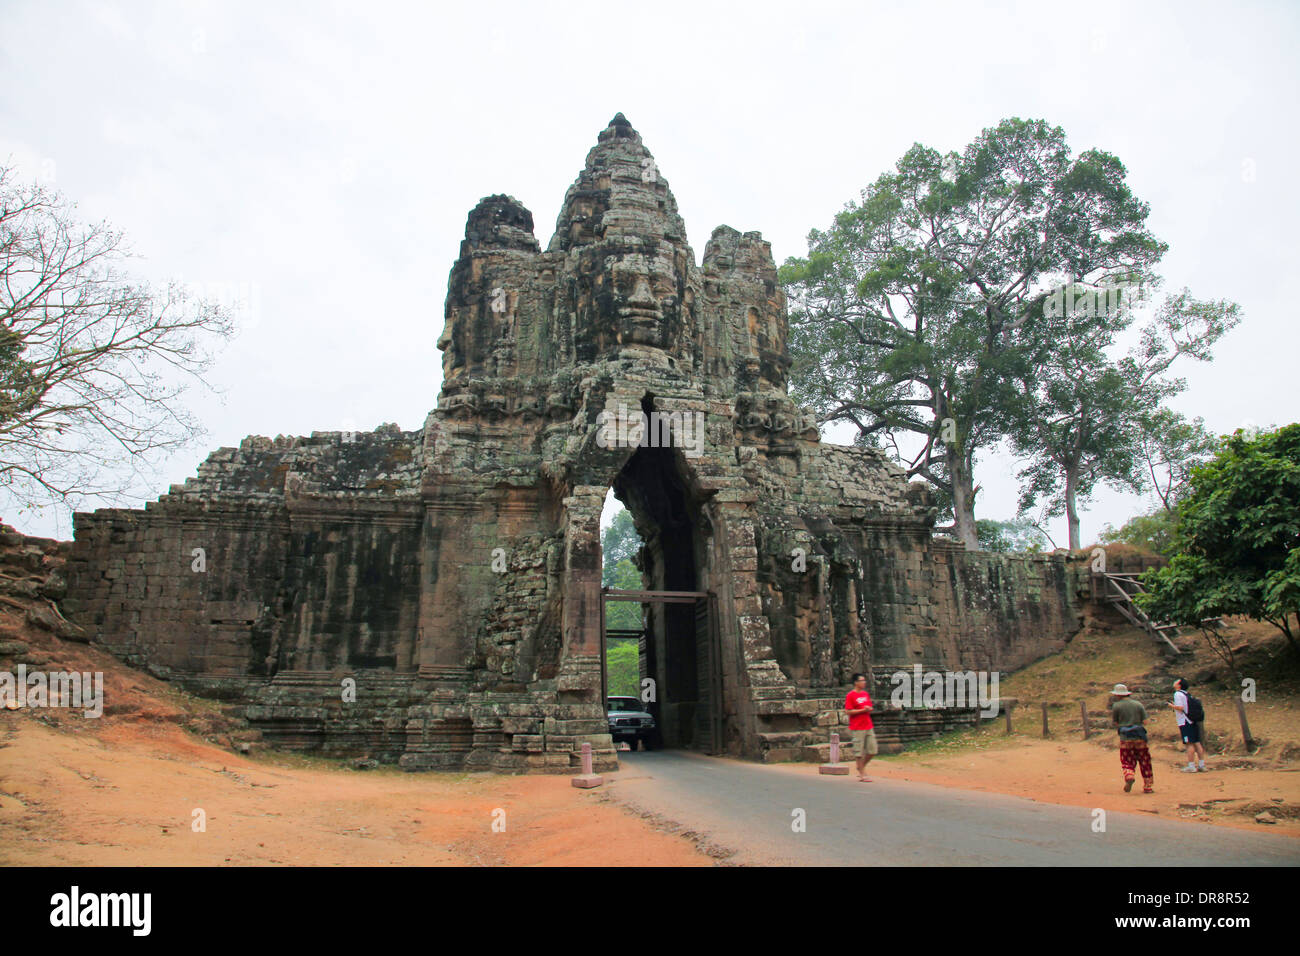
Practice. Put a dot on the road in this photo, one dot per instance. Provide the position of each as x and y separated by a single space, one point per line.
750 809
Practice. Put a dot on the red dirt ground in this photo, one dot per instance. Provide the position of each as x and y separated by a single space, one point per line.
122 789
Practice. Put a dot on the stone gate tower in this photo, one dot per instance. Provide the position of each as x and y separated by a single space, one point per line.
453 573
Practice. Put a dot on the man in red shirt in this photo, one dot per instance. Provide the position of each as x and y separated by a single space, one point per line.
858 706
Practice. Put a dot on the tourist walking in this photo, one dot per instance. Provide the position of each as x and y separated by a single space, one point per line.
1129 715
858 706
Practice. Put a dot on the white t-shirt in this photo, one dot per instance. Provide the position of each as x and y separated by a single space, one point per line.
1180 698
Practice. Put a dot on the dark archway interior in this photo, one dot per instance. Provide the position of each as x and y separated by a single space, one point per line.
651 487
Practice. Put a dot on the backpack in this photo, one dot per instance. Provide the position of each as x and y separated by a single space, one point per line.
1195 710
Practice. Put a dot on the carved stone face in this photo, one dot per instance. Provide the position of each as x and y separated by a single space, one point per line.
644 300
632 295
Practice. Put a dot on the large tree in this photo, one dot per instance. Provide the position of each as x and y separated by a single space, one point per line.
623 576
1085 415
92 364
619 545
1152 532
910 317
1008 536
1172 445
1237 544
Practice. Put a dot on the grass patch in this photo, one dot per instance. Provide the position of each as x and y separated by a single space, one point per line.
1097 659
963 740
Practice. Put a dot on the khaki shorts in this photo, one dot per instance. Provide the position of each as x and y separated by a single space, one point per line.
864 743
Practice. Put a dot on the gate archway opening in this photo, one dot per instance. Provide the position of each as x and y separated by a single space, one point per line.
679 666
692 722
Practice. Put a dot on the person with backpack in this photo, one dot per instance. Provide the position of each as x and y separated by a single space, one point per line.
1189 712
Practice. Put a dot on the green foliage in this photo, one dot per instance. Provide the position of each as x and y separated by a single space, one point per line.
626 614
619 543
1087 416
1237 549
16 377
1153 533
1009 536
915 313
1172 446
623 677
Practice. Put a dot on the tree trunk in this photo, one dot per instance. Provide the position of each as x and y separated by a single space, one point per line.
1071 505
1246 735
963 504
1289 634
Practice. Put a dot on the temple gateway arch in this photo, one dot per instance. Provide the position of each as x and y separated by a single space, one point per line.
452 574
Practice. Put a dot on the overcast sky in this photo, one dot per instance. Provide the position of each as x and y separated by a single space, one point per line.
320 158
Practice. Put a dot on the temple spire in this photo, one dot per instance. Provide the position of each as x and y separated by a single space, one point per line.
619 193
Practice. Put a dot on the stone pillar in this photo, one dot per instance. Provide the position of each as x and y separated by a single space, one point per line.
448 554
580 662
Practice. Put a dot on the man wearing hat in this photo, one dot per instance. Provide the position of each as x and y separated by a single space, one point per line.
1129 715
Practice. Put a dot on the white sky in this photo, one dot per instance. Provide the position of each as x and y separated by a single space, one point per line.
323 157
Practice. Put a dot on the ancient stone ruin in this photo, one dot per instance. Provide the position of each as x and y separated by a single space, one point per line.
434 597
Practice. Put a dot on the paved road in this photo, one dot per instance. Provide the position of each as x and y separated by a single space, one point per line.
748 808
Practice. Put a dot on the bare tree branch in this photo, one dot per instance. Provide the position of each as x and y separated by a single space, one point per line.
92 363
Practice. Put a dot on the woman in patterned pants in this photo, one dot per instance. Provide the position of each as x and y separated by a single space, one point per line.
1135 752
1129 715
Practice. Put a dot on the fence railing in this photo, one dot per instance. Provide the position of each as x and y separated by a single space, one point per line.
1118 590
